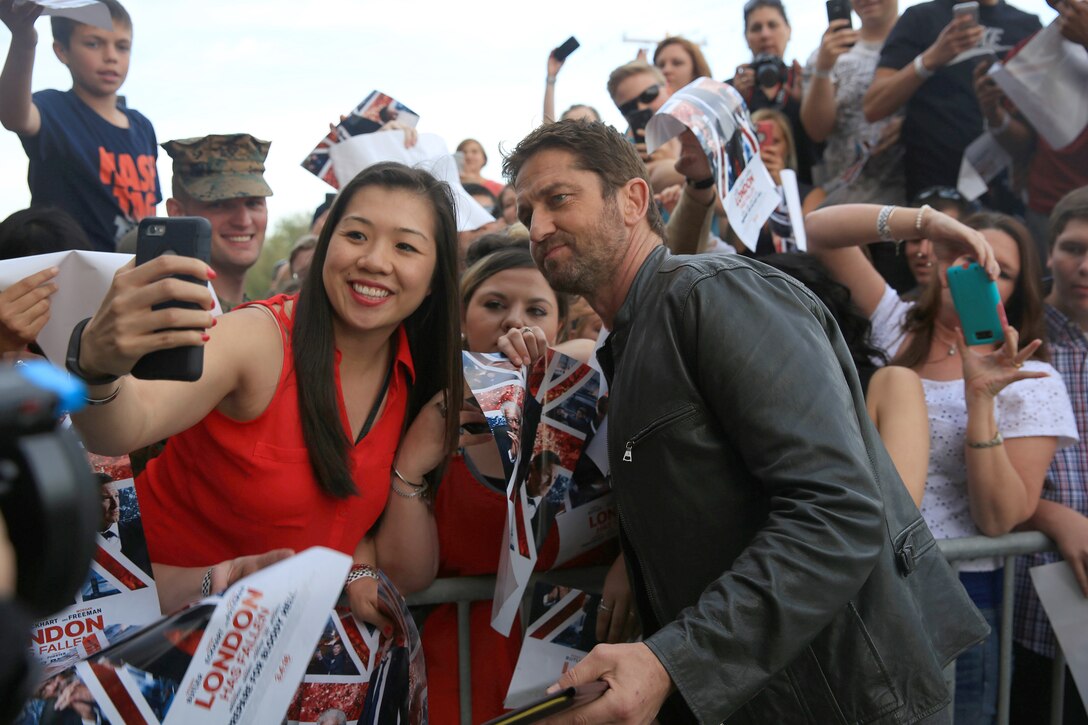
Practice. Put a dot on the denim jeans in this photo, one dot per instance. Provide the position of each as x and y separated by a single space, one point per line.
976 669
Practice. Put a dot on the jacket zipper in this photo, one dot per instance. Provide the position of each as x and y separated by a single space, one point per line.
660 422
651 591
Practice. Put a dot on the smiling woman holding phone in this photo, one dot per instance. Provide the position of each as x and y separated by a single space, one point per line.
320 419
997 413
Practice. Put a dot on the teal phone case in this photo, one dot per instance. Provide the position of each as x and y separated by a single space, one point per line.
978 304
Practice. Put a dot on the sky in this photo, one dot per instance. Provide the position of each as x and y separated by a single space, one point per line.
283 70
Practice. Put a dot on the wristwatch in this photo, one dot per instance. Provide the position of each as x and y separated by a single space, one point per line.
701 184
71 360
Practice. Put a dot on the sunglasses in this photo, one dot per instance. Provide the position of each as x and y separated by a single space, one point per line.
947 193
644 98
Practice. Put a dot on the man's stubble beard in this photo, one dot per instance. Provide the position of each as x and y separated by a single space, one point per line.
594 260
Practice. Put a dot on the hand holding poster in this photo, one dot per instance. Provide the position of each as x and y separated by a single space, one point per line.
717 117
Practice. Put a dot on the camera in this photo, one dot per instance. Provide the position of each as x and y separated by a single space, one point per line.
770 70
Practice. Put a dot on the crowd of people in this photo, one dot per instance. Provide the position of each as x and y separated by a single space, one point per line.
330 413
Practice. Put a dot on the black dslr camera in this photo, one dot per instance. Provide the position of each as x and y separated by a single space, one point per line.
48 494
770 70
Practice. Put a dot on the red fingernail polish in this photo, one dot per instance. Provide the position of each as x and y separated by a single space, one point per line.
205 337
388 631
215 321
211 273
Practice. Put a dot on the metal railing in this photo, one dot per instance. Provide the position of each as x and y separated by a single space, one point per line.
466 590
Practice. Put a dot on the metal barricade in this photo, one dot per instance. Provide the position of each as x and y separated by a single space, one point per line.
466 590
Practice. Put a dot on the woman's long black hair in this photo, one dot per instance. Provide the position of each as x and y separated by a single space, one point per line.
433 329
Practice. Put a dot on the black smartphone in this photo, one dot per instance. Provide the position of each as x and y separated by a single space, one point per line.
566 49
978 304
839 10
189 237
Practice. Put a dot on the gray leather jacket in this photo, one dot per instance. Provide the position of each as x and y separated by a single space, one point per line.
783 573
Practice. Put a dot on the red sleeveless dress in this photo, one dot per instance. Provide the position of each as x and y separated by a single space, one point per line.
226 488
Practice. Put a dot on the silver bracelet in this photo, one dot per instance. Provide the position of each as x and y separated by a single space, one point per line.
883 231
920 68
413 484
407 494
992 443
550 80
206 583
107 399
361 571
817 73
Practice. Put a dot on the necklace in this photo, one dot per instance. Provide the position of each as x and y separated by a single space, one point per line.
951 346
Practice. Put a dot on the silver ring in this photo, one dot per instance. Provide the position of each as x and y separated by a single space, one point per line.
604 607
527 330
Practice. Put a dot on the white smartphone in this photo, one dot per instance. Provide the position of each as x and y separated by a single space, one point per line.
967 8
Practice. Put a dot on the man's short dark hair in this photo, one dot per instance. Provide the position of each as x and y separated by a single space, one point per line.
1073 205
63 27
596 147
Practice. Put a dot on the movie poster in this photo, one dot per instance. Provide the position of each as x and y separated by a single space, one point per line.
543 419
376 110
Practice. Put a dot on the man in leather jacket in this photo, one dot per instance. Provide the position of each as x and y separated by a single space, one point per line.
781 570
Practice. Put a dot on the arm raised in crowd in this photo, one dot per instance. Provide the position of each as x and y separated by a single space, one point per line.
818 105
549 87
688 228
836 234
892 89
17 110
1014 135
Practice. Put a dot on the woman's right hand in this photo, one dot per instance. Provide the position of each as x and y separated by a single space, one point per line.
554 64
228 572
744 80
951 240
523 345
125 328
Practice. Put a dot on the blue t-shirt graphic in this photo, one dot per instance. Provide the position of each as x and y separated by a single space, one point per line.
103 175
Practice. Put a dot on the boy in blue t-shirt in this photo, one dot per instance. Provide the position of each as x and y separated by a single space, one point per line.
89 154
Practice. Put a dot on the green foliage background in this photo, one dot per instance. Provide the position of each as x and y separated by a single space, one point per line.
276 246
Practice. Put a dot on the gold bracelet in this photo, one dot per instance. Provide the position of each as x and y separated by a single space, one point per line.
992 443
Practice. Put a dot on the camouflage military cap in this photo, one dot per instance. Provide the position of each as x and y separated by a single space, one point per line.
220 166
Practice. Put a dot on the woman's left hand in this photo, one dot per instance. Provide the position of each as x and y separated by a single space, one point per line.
617 620
523 345
987 375
423 446
366 606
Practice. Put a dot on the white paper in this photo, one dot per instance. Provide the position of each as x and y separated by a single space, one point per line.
88 12
983 160
82 283
1067 608
430 153
793 205
1046 80
751 202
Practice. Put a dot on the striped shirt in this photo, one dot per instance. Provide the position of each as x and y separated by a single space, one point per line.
1066 480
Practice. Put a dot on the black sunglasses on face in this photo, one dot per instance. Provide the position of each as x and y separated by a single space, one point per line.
646 97
947 193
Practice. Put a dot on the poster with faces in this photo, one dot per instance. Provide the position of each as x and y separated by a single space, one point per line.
717 117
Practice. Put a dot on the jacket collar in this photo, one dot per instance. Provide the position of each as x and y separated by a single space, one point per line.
621 325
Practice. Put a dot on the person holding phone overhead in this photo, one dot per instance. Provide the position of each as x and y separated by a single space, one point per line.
926 68
997 413
861 161
316 414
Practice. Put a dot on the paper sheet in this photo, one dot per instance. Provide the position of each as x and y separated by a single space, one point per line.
1067 608
982 161
793 204
1046 81
89 12
430 153
82 284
